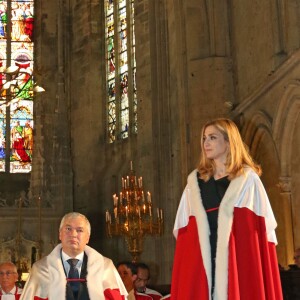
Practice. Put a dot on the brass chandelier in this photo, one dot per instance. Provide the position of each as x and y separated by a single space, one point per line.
133 215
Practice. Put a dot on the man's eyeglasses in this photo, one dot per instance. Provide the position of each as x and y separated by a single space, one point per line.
8 274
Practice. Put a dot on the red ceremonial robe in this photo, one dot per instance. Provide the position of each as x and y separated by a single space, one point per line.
246 262
16 293
154 294
148 294
47 279
141 296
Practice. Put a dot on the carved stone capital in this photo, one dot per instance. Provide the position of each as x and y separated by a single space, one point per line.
285 184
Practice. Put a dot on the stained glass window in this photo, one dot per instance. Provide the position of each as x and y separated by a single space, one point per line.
16 99
120 69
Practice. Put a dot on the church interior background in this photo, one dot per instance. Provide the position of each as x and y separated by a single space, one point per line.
135 80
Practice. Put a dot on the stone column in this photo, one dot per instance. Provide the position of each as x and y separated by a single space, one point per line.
285 194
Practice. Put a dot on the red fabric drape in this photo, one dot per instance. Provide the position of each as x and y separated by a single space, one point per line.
253 268
113 294
252 262
189 278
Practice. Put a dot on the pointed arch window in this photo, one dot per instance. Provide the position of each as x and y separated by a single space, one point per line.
16 102
120 69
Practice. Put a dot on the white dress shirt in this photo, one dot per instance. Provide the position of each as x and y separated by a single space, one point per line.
67 267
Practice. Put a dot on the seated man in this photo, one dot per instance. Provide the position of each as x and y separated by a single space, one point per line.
74 270
8 278
127 271
143 277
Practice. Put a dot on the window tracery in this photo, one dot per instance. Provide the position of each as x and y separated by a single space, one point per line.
120 69
16 113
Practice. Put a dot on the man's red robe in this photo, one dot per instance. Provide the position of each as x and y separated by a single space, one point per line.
15 291
246 261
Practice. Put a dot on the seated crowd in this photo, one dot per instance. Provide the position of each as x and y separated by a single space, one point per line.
75 271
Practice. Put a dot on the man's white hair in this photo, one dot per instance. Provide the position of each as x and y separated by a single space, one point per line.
10 264
74 215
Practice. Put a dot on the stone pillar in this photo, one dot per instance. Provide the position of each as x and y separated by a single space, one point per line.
285 194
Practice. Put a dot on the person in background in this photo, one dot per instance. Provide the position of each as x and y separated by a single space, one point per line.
225 227
73 270
296 266
142 279
297 257
8 277
128 273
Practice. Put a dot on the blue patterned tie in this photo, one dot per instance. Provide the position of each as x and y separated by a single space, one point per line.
73 274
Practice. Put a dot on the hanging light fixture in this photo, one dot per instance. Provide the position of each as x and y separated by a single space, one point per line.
133 215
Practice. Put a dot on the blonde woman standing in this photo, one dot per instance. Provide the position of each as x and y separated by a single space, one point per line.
225 227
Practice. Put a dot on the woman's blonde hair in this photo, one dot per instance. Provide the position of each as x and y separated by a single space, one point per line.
238 155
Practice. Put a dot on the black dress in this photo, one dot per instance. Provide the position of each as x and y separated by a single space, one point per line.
212 193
